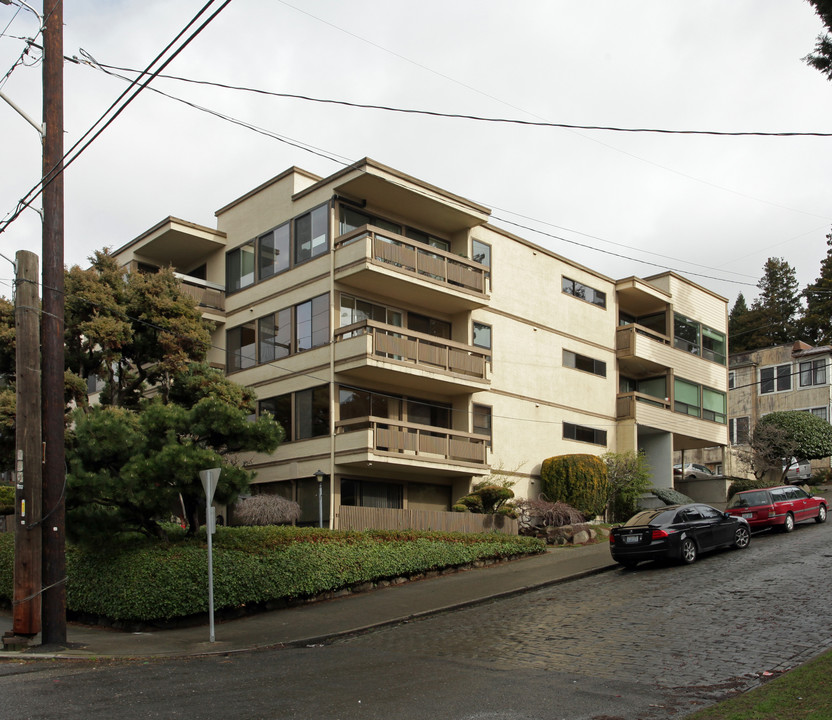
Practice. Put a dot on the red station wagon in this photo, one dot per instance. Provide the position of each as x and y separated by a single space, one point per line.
780 507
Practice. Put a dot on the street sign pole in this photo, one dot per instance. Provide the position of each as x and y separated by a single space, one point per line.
209 483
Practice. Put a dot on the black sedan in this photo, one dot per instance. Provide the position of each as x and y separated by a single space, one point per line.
676 532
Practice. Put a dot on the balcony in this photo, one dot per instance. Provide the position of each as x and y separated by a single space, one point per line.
209 297
642 352
372 351
689 431
409 271
422 447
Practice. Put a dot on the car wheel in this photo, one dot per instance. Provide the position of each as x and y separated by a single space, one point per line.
821 518
742 537
688 551
788 524
691 477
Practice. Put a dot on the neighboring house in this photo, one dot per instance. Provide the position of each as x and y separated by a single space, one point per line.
410 348
783 377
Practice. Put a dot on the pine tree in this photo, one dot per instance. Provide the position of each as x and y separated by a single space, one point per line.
777 309
741 326
816 323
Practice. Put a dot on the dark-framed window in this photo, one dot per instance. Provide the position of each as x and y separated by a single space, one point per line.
239 267
303 414
482 421
274 336
481 252
364 493
241 350
692 336
582 362
277 250
738 429
273 251
312 323
582 433
584 292
714 405
482 335
311 234
775 378
813 372
687 398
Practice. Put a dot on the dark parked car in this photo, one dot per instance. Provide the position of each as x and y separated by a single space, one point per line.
677 532
779 507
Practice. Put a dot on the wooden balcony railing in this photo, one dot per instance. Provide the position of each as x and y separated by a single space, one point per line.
418 258
206 294
393 436
625 337
420 350
626 403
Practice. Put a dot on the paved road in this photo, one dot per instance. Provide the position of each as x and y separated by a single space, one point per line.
654 643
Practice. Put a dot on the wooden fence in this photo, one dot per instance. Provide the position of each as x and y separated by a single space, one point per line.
366 518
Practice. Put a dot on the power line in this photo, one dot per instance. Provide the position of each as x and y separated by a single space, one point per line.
116 108
476 118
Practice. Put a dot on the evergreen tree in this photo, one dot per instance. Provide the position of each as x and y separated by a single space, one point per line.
816 323
741 326
821 58
777 310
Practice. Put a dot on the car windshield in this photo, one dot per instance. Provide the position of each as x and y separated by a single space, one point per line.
749 499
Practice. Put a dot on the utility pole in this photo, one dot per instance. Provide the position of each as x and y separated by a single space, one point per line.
28 451
54 470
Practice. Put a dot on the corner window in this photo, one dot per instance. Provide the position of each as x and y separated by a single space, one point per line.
482 335
582 433
582 362
274 336
584 292
312 323
481 253
713 405
686 334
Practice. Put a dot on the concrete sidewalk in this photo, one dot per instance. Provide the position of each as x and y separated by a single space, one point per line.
317 622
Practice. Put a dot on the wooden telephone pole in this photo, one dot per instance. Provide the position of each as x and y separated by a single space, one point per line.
54 469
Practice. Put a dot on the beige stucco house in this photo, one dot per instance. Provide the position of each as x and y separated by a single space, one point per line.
410 348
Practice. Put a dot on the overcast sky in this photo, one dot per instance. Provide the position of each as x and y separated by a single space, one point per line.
711 208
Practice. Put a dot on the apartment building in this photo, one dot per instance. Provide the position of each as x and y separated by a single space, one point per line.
794 376
410 348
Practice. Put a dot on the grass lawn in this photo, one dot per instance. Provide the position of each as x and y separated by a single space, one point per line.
804 693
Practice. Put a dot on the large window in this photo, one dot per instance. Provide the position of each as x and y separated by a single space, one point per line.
275 251
813 372
698 339
312 323
356 403
362 493
582 433
713 405
692 399
239 267
686 398
775 378
481 253
241 351
303 414
278 335
582 362
311 234
584 292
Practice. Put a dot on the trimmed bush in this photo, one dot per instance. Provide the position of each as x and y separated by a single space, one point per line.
577 480
147 582
669 496
266 510
740 484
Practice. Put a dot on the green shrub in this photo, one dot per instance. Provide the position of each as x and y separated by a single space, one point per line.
669 496
740 484
577 480
6 500
148 581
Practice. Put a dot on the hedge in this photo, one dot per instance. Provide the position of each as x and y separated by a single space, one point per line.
148 582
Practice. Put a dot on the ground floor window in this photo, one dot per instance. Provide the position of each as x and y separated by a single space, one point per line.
364 493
